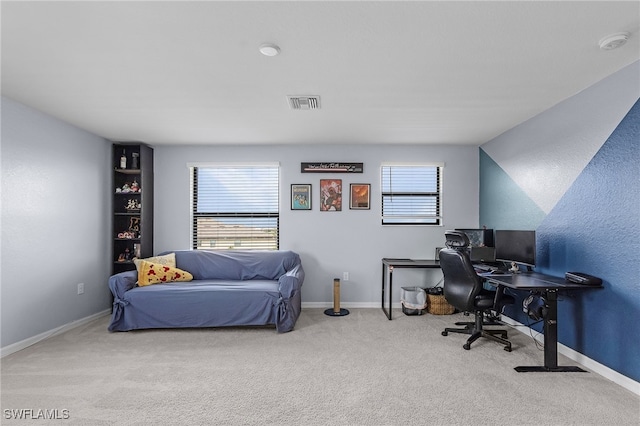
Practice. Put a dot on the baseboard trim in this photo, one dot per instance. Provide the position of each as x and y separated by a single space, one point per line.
18 346
352 305
595 366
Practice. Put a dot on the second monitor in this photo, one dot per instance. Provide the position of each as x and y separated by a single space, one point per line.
479 237
481 245
516 246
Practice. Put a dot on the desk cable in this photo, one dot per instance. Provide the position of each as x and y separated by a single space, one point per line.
529 324
437 285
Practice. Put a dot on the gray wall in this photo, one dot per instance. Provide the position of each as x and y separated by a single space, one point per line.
55 223
330 243
55 230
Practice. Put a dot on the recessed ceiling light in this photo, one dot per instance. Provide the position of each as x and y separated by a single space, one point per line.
269 49
613 41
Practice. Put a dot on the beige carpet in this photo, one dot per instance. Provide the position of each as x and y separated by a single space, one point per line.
356 370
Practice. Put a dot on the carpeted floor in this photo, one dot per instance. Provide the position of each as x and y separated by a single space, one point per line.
356 370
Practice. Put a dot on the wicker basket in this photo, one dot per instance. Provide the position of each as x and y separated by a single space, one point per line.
438 305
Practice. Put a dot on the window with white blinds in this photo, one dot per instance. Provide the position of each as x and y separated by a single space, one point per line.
411 194
236 207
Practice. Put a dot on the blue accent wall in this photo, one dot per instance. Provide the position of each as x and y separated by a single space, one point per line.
503 204
595 228
572 173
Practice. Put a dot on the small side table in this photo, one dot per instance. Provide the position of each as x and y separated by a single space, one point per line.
388 265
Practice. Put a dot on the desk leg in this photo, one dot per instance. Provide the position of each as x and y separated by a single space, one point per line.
384 280
551 330
550 339
390 291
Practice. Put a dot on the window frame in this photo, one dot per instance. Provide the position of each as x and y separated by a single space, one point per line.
195 215
418 219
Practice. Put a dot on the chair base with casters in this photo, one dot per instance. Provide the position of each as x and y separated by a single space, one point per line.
476 331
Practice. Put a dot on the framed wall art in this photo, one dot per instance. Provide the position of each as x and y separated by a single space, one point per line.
331 167
360 196
301 196
330 195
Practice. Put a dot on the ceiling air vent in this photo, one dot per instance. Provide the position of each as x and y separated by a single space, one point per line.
304 102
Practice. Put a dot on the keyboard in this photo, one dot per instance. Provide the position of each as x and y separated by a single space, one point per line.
484 268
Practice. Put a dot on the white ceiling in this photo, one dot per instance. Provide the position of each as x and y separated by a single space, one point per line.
430 72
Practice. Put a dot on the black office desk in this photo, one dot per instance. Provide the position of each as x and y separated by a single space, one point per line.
550 286
390 264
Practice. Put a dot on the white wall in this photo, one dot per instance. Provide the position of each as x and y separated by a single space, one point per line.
55 223
330 243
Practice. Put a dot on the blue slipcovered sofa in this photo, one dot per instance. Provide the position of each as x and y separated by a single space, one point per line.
229 288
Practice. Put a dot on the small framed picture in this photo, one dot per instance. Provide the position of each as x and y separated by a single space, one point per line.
360 196
330 195
301 196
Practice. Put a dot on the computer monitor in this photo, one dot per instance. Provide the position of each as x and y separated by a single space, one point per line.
516 246
479 237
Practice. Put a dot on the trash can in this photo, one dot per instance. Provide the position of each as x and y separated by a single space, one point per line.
413 300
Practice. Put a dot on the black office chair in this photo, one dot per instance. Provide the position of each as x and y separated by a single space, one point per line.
463 289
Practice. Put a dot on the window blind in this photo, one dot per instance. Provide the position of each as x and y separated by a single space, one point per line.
411 194
236 207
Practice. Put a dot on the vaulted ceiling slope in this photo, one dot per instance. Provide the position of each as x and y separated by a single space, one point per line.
424 72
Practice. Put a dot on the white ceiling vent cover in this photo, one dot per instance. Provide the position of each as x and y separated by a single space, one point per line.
304 102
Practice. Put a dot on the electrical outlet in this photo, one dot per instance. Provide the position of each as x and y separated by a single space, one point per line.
345 276
80 288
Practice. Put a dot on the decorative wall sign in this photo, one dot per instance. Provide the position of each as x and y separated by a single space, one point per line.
301 197
330 167
359 196
330 195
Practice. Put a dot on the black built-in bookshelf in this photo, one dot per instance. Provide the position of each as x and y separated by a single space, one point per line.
132 192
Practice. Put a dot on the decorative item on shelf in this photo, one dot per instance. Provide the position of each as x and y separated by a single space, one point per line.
136 250
123 160
128 188
134 160
134 225
133 205
126 256
127 235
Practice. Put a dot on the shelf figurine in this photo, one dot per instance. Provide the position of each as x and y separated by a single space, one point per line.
133 205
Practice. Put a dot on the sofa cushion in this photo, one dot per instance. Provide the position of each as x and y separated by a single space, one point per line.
155 273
